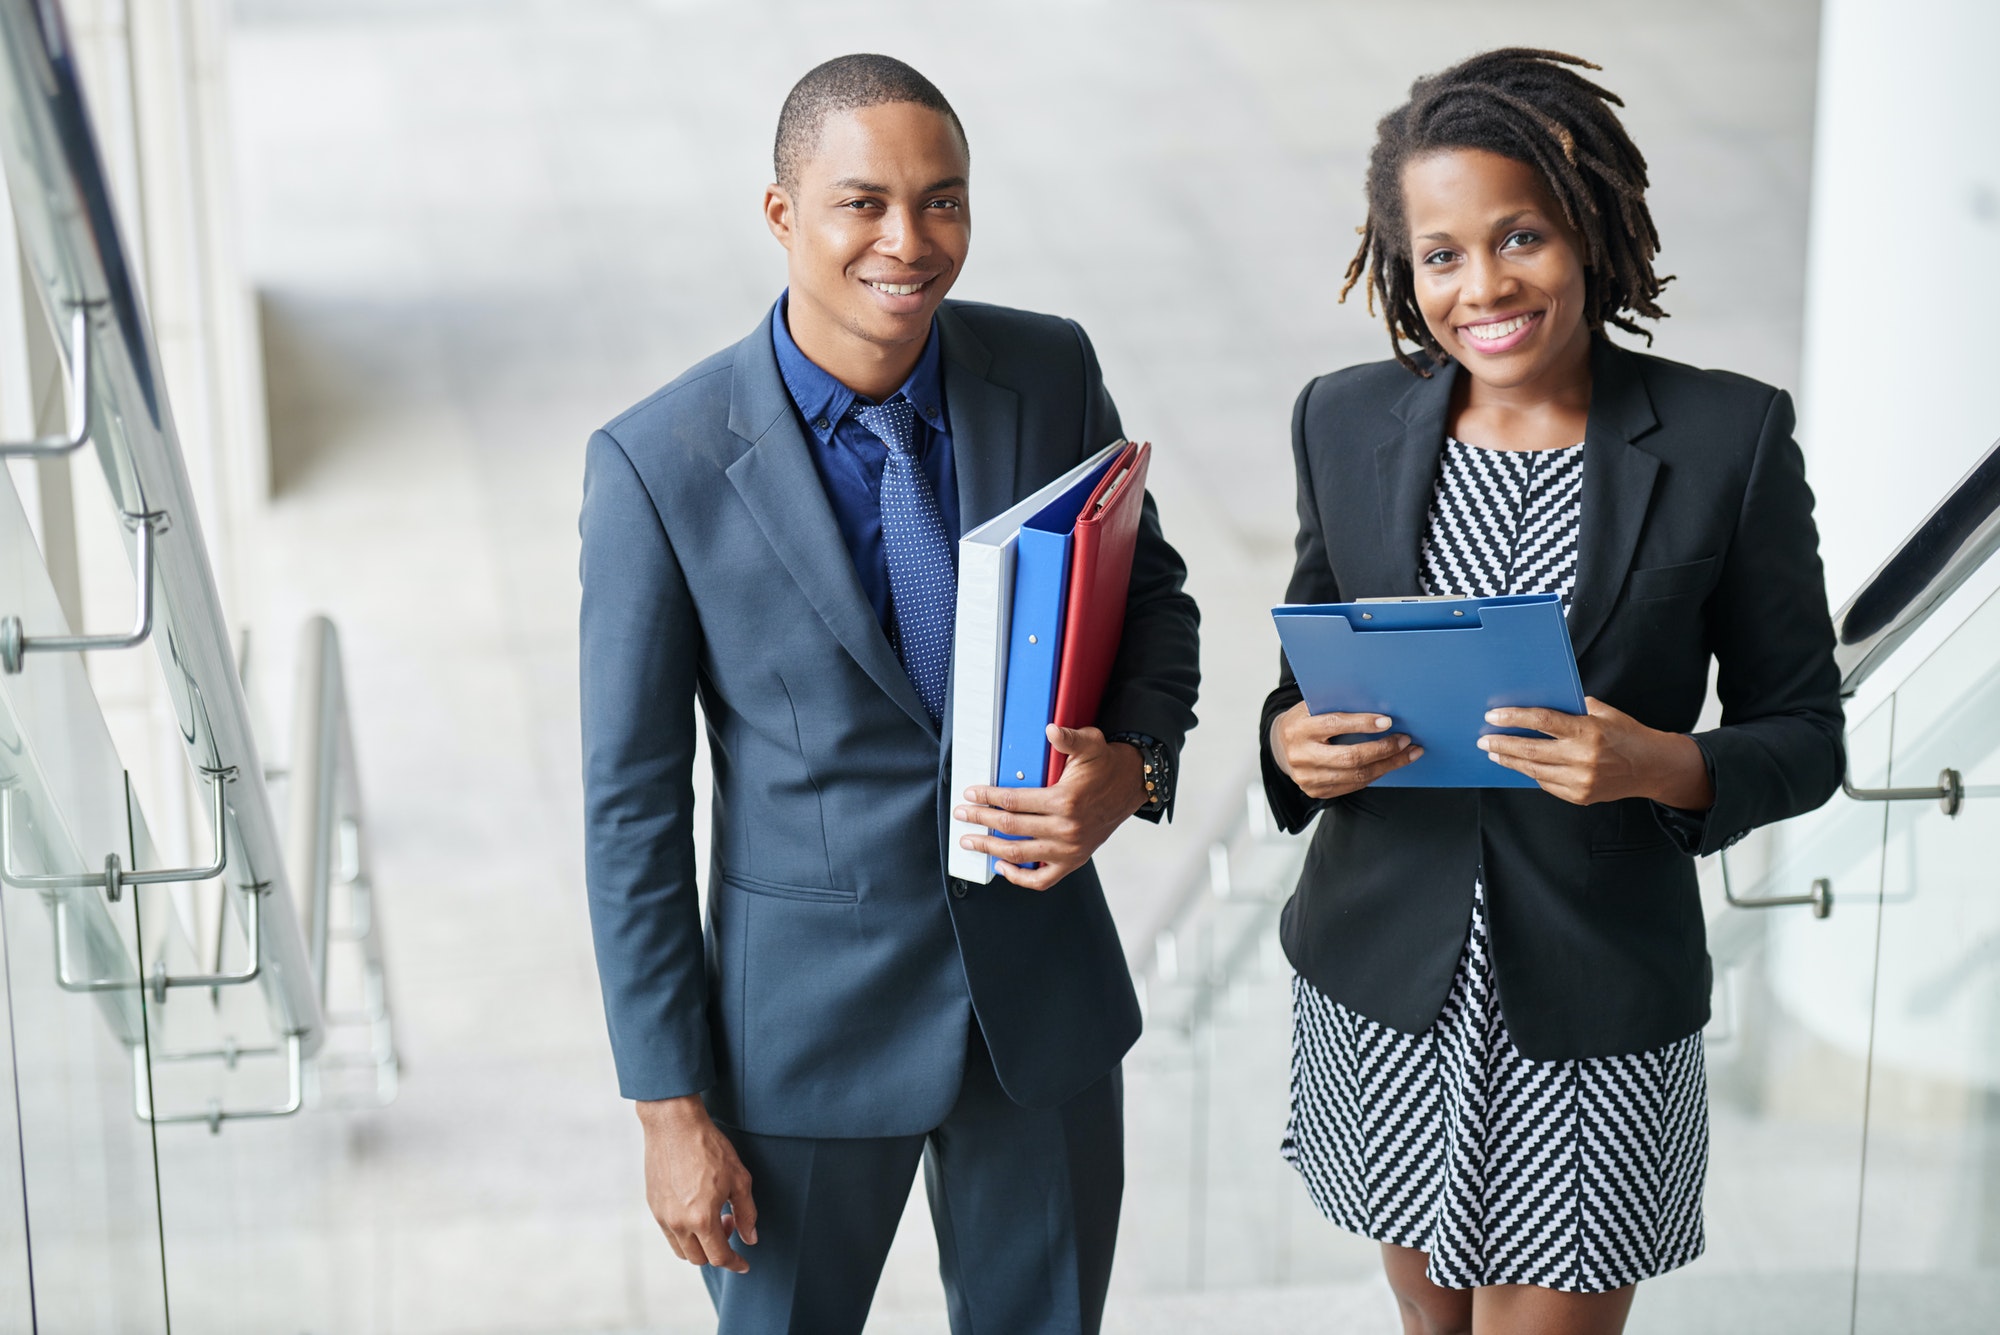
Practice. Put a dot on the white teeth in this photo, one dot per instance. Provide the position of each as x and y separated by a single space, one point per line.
897 289
1486 333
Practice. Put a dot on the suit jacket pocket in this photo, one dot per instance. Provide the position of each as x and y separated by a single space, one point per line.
1671 581
782 890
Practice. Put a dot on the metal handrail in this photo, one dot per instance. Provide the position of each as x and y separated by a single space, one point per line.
70 238
77 396
328 853
16 643
1940 554
213 1115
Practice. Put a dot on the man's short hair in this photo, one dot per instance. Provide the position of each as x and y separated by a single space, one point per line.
847 83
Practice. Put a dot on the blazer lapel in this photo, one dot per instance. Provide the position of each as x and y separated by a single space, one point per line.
1617 487
1406 468
781 487
985 425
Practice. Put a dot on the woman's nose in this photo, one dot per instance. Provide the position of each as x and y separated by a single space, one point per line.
1485 281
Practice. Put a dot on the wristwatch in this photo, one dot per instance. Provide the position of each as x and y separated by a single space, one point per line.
1159 771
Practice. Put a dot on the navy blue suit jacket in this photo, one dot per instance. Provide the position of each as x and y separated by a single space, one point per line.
832 990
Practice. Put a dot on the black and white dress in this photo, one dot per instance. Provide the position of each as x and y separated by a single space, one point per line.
1583 1175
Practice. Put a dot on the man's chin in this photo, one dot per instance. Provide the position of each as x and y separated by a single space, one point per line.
890 328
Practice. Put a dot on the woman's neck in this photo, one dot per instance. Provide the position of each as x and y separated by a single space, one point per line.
1547 412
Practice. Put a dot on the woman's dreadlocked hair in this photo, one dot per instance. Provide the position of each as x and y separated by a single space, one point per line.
1525 105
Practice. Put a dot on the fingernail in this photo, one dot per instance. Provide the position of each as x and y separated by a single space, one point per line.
1492 716
1416 752
1403 745
1485 743
1381 722
960 814
966 842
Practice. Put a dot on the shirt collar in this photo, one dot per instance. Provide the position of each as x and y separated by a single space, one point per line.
823 400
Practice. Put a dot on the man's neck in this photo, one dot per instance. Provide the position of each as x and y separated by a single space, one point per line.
872 370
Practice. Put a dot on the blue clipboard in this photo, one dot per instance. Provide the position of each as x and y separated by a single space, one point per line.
1435 666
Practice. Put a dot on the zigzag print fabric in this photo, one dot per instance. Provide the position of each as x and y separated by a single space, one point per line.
1503 521
1583 1176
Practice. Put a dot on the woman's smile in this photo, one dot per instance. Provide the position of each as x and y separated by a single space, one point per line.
1499 334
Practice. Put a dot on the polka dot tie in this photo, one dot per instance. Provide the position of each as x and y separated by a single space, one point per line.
923 583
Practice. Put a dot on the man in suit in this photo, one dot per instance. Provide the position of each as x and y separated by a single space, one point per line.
773 535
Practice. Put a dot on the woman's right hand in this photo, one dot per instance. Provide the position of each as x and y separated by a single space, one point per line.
1323 768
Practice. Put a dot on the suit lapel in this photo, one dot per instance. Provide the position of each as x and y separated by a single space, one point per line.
985 425
781 487
1406 468
1617 487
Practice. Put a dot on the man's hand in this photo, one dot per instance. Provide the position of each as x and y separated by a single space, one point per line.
1323 768
691 1172
1601 756
1102 783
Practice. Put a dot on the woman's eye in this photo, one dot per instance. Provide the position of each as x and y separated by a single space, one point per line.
1521 238
1437 257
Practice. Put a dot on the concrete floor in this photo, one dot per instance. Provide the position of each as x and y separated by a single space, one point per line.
483 228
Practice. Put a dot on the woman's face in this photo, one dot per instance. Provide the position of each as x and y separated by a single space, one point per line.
1498 272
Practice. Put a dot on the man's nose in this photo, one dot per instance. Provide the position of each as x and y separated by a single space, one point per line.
901 238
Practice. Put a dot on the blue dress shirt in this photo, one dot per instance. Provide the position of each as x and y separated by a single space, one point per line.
850 458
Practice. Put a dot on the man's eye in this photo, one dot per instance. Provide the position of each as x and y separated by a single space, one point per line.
943 204
859 204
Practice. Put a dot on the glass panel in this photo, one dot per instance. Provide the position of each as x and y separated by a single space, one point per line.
16 1294
1930 1224
1209 1202
238 1202
1787 1055
92 1206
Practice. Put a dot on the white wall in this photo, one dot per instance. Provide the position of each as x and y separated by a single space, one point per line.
1902 345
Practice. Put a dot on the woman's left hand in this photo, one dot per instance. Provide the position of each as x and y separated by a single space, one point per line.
1600 756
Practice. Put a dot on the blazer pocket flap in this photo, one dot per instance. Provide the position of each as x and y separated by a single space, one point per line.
782 890
1671 581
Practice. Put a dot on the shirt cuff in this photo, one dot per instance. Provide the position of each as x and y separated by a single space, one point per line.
1687 829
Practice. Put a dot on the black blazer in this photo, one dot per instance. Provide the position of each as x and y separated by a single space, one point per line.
1697 540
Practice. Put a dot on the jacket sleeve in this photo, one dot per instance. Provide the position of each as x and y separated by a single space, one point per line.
1312 582
1780 749
1157 674
640 643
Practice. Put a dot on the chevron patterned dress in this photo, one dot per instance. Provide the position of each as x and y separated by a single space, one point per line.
1584 1175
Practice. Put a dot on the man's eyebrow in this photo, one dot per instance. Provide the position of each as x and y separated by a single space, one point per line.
877 188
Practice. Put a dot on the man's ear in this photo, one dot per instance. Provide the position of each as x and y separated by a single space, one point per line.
778 213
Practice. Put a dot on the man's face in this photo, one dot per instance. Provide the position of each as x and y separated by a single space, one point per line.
878 223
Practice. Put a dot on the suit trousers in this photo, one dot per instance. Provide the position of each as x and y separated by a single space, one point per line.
1024 1201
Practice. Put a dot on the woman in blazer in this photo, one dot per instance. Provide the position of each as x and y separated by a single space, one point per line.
1497 1067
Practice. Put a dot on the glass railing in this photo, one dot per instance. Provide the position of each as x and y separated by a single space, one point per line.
150 1006
1928 1254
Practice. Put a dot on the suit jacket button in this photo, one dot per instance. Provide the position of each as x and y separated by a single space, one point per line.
958 888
